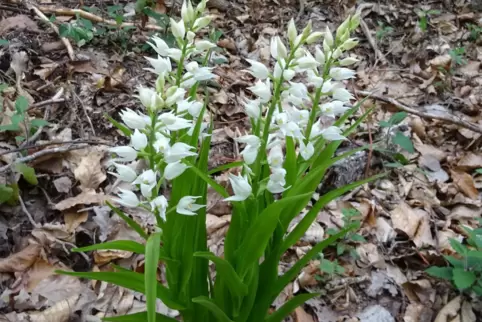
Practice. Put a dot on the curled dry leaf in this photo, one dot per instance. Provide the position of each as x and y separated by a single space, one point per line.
449 311
84 198
405 219
20 261
470 161
87 167
465 183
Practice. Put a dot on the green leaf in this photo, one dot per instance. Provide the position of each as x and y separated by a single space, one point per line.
458 247
124 129
358 238
463 279
39 122
440 272
327 266
397 118
5 193
64 30
151 266
127 245
128 279
479 171
27 172
211 306
129 221
290 306
260 231
21 104
9 127
3 42
403 141
16 119
384 124
457 263
226 167
290 161
227 272
137 317
216 186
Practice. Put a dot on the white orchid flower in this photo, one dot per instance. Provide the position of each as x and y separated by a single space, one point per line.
173 122
124 172
160 204
262 90
125 153
307 150
134 120
275 156
186 206
258 70
332 133
341 94
147 180
127 198
174 170
161 145
334 108
253 108
177 28
341 73
241 188
160 65
159 46
178 151
138 140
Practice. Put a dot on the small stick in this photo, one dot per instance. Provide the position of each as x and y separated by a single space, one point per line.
449 119
95 18
39 154
54 143
372 42
64 40
47 102
29 215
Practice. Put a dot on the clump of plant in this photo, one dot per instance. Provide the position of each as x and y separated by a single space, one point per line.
424 16
464 268
285 157
351 218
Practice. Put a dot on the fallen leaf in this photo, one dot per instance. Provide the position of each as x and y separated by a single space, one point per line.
86 166
465 183
84 198
449 310
470 161
302 316
18 23
405 219
75 219
63 184
21 261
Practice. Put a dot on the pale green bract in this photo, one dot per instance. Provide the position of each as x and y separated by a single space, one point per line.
285 157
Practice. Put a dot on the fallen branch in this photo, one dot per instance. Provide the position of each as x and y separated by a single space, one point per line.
47 102
449 119
95 18
36 155
43 145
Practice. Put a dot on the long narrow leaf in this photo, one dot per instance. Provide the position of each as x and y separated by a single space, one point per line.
151 265
290 306
216 186
129 221
124 129
127 245
290 161
259 233
298 266
226 271
131 280
211 306
308 219
139 317
226 167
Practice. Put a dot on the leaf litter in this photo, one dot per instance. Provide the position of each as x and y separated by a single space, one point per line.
407 220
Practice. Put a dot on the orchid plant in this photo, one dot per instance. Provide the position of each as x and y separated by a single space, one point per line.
296 130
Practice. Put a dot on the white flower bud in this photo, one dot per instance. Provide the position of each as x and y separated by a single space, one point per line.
187 11
314 37
348 61
292 33
204 45
178 29
319 55
138 140
201 6
328 40
337 53
190 36
343 28
258 70
201 23
349 44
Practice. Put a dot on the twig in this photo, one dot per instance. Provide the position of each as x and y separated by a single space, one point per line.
449 119
55 143
95 18
13 9
39 154
372 42
47 102
29 215
74 94
64 40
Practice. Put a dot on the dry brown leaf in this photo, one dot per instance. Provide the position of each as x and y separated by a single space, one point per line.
89 171
20 261
449 311
214 223
46 70
405 219
63 184
302 316
18 23
423 236
84 198
465 183
75 219
470 161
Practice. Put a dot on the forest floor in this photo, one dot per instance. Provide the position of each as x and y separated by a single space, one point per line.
421 57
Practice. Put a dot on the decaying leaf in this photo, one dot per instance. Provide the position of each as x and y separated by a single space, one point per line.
21 261
465 183
84 198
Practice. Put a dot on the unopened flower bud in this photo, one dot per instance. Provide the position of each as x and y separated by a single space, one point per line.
337 53
314 37
187 11
292 33
349 44
328 40
355 21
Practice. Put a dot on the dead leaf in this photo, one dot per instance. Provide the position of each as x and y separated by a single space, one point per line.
18 23
470 161
63 184
405 219
465 183
449 311
75 219
86 166
302 316
21 261
84 198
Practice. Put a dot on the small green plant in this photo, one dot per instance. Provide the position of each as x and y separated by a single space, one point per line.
3 42
351 218
458 56
478 171
465 267
475 32
19 117
398 138
383 31
423 16
328 269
